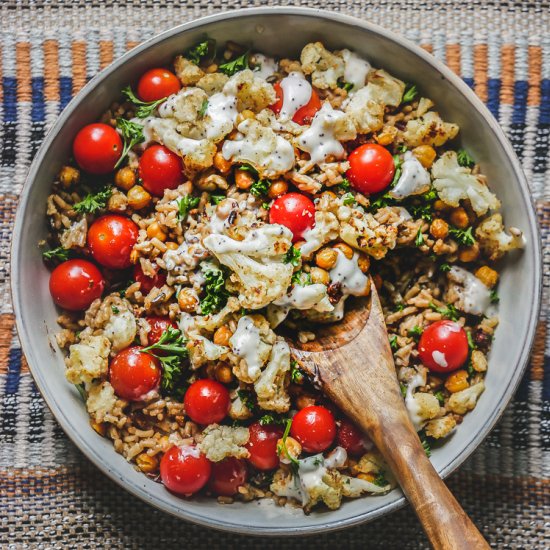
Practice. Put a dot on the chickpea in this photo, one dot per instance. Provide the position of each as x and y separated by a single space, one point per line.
387 135
146 463
223 373
292 446
221 164
469 254
154 231
319 276
345 249
326 258
277 189
243 179
459 218
457 381
304 400
441 206
212 68
363 263
187 301
425 154
69 176
367 477
138 198
488 276
222 336
125 178
439 228
171 245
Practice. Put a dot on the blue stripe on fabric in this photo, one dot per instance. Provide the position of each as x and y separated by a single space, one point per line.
521 88
493 96
9 85
14 371
469 81
37 110
544 113
65 91
546 379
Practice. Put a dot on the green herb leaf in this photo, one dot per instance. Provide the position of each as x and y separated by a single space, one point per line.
93 202
202 51
419 241
215 293
144 108
260 187
348 199
115 310
216 199
292 256
464 158
248 399
393 343
59 253
397 162
400 306
265 206
462 236
344 185
249 168
82 391
403 389
348 86
132 134
471 343
272 419
382 201
236 65
204 107
282 449
444 268
301 278
296 374
440 397
416 332
410 93
449 311
185 204
426 446
494 297
381 480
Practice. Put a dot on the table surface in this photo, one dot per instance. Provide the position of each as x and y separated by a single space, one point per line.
51 496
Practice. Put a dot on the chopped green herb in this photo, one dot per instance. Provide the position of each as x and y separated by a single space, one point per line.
381 480
59 253
470 368
344 185
292 256
204 107
216 199
185 204
202 51
296 374
449 311
419 241
216 294
410 93
462 236
399 306
440 397
348 86
115 310
416 332
272 419
494 297
132 134
403 389
471 343
464 158
260 187
249 168
393 343
238 64
348 199
93 202
248 399
301 278
144 108
445 267
383 200
82 391
397 162
282 449
426 446
265 206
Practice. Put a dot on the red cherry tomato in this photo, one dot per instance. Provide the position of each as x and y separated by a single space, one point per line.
206 401
157 84
148 283
111 239
371 168
295 211
160 169
75 284
305 114
443 346
350 437
184 470
314 428
157 326
262 446
97 148
227 476
133 373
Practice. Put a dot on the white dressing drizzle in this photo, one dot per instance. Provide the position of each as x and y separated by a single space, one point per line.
296 93
306 297
265 66
474 296
245 343
222 113
355 69
413 408
414 179
346 272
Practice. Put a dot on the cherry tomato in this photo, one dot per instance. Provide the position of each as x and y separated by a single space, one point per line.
111 239
443 346
371 168
305 114
227 476
160 169
184 470
157 84
295 211
148 283
97 148
350 437
206 401
75 284
314 428
133 373
157 326
262 446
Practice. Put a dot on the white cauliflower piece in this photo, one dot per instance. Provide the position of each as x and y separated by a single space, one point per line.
188 73
212 83
463 401
101 400
420 406
88 360
202 350
270 387
219 442
414 179
252 92
238 410
454 183
270 154
323 231
429 129
121 329
324 67
214 321
494 240
354 487
468 292
389 90
440 427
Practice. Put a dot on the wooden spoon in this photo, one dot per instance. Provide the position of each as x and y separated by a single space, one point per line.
353 363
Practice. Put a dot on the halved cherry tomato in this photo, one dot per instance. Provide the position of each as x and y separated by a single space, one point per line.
111 239
206 401
75 284
157 84
148 283
350 437
97 148
262 445
314 428
305 114
160 169
133 373
443 346
295 211
184 470
227 476
157 326
371 168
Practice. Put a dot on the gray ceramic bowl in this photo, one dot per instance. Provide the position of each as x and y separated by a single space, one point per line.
279 31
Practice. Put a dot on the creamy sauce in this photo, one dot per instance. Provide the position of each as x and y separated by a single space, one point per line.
346 272
474 296
319 140
355 70
219 219
414 179
306 297
185 257
245 343
413 408
221 113
265 66
296 93
337 458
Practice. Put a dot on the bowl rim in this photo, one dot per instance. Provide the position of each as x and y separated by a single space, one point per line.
26 339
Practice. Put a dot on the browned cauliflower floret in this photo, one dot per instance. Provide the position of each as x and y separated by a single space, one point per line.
88 359
238 410
463 401
440 427
326 229
188 73
429 129
75 236
494 240
354 487
324 67
252 92
101 400
212 83
219 442
270 387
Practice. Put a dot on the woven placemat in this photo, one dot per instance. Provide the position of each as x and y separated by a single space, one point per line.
50 495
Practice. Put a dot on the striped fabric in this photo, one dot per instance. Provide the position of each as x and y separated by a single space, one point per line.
51 497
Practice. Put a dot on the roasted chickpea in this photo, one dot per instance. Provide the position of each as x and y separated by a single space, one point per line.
154 231
243 179
171 245
223 373
457 381
425 154
69 176
319 276
125 178
363 263
247 114
147 464
326 258
439 228
138 198
345 249
99 427
469 254
187 301
277 188
222 336
304 400
221 164
488 276
459 218
292 446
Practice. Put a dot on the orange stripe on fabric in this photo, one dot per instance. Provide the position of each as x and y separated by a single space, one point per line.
452 53
428 47
79 65
6 331
23 71
51 70
105 53
535 71
24 365
132 44
508 59
480 71
537 357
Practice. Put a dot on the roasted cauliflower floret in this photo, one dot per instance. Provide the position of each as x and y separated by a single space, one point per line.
429 129
238 410
325 229
75 236
454 183
212 83
202 350
101 400
440 427
414 179
270 387
354 487
493 239
463 401
252 92
324 67
88 360
188 73
467 292
219 442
